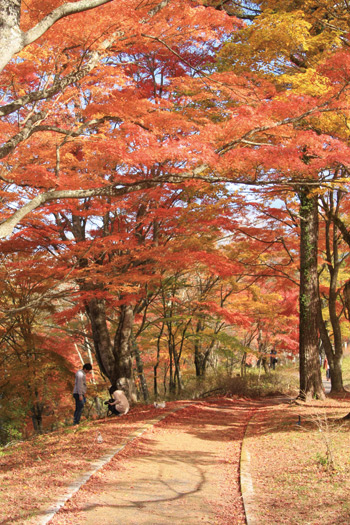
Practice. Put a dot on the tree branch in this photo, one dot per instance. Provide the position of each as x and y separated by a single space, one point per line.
13 40
25 133
63 11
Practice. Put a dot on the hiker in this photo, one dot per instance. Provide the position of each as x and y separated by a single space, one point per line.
79 392
118 404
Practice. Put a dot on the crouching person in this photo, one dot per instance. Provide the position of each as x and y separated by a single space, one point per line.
118 404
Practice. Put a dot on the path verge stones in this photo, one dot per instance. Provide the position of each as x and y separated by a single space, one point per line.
98 464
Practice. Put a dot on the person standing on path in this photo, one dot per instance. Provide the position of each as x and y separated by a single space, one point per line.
79 392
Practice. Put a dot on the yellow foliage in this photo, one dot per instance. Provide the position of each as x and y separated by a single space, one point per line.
308 82
282 41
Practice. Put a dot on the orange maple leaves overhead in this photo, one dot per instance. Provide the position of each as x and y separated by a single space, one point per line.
129 99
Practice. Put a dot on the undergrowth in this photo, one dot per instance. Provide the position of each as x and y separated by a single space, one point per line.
252 385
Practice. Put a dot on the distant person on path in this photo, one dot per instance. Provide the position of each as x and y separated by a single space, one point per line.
273 359
118 404
326 367
79 392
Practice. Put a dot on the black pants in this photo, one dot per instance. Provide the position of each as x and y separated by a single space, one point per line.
79 405
113 410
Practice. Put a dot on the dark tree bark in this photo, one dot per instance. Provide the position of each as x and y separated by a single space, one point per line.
333 356
309 364
201 357
37 410
96 312
140 371
115 360
334 352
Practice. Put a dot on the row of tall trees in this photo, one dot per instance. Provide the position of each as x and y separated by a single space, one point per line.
167 163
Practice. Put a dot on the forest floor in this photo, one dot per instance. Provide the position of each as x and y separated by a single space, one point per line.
220 460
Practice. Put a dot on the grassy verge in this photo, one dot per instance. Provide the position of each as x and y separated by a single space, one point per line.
301 472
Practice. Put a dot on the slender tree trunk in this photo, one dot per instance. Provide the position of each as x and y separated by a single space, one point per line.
164 379
155 368
199 358
155 380
37 416
309 364
172 385
333 352
140 372
178 375
334 355
243 365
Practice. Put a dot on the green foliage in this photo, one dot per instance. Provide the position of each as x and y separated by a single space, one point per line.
322 459
10 431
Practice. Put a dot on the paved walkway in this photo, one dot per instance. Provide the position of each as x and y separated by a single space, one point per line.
183 470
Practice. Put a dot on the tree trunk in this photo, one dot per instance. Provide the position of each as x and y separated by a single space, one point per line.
199 360
115 361
155 368
140 372
199 357
37 417
333 352
172 384
309 364
334 355
122 373
243 365
96 312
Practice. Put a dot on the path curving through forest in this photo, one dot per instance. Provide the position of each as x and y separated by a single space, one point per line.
185 468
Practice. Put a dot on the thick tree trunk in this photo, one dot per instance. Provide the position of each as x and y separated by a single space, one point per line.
96 312
199 360
309 363
115 361
10 33
122 373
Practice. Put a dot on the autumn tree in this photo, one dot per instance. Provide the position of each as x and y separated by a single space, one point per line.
35 362
335 266
98 94
166 111
285 44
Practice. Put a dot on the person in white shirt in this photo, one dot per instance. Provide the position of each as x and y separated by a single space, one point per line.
119 405
79 392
